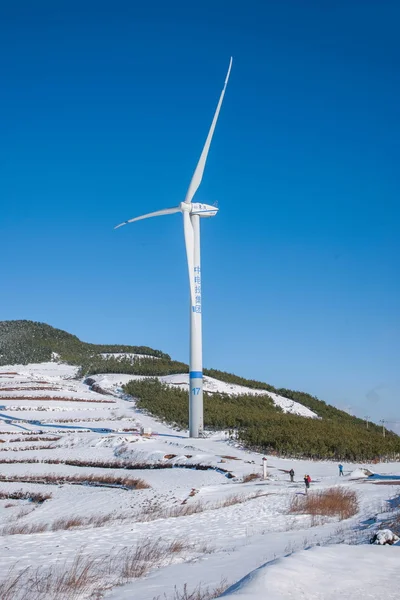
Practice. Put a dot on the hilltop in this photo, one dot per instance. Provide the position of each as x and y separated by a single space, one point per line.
23 342
276 420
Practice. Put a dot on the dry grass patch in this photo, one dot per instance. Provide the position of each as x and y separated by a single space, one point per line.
43 447
132 466
63 524
66 523
154 511
57 399
23 529
237 499
13 461
35 438
233 499
93 521
392 482
198 593
28 389
333 502
95 480
251 477
90 576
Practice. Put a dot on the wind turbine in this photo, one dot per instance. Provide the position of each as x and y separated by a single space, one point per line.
192 212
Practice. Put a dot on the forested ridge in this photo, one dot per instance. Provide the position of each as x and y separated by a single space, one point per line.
23 342
259 424
256 421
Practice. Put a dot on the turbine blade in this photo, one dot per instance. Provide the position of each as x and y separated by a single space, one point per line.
189 244
157 213
198 173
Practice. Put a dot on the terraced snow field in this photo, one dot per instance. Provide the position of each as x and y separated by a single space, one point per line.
82 491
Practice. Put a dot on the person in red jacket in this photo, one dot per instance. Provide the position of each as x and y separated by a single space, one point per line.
307 481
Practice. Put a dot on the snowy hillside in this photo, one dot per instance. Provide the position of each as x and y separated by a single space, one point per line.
211 385
144 515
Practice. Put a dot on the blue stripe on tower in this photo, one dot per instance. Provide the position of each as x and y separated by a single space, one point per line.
196 375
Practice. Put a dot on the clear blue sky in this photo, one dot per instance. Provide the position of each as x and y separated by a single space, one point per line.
104 110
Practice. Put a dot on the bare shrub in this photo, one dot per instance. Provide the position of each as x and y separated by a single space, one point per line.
205 548
47 584
133 562
12 588
198 593
36 497
23 513
333 502
88 576
177 546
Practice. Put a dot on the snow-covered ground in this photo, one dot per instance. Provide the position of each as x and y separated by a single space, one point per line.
52 424
334 572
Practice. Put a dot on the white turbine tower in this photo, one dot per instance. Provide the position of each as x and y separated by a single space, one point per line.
191 223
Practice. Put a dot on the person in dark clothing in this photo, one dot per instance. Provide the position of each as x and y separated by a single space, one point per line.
291 473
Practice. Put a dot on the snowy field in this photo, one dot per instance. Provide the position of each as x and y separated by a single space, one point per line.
78 479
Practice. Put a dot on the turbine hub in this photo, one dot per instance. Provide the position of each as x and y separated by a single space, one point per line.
186 207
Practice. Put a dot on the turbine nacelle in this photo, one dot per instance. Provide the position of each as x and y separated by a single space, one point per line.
195 208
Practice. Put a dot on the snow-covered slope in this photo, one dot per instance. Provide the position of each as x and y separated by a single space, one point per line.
211 385
331 573
206 497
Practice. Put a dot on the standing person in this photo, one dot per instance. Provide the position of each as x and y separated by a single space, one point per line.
291 473
307 480
340 470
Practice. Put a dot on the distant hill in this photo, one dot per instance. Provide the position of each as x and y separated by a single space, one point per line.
23 342
256 420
